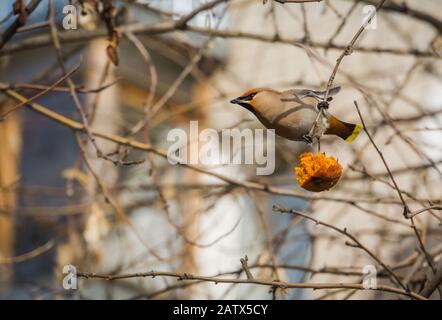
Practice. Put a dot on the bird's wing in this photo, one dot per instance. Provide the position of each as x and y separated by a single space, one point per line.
319 95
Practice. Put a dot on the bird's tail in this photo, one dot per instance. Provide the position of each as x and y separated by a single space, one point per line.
344 130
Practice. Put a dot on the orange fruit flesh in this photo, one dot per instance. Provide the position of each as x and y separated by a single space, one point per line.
317 172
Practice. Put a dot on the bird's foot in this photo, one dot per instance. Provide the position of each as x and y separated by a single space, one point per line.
323 105
307 138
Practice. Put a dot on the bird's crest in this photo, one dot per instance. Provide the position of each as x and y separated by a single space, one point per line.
255 91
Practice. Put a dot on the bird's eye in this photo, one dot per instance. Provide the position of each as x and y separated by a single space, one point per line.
249 97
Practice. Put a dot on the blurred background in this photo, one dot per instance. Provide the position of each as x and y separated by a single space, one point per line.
54 193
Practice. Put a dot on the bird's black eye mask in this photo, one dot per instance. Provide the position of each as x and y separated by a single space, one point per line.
248 98
243 102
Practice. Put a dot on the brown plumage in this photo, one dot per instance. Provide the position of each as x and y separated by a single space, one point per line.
292 113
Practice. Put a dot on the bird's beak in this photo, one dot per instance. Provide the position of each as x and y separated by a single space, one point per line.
243 103
236 101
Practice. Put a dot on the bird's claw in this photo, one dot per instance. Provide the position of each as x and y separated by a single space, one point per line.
307 138
323 105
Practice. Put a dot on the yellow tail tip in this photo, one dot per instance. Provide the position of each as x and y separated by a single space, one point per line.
356 131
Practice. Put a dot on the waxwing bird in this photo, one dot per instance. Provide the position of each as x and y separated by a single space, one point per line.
292 113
